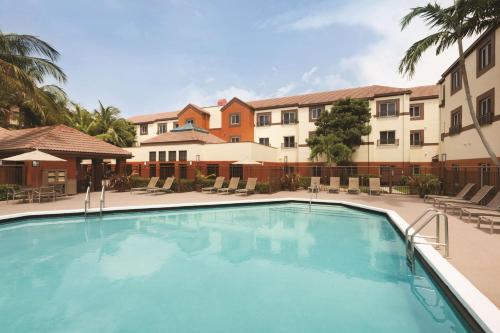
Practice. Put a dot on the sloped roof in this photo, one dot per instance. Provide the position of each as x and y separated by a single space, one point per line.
422 92
184 136
58 138
149 118
189 127
195 107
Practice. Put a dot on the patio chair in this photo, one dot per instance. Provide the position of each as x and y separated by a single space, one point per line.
491 209
334 185
219 181
454 204
315 182
232 187
460 195
488 219
47 192
374 186
166 188
151 185
22 193
249 188
353 185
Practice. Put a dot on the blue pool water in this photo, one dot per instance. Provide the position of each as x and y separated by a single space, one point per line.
264 268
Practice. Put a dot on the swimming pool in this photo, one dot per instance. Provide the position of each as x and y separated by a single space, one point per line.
248 268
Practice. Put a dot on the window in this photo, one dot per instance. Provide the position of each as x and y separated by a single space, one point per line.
388 108
416 170
182 155
152 156
417 138
235 139
162 128
190 121
316 171
416 111
289 117
236 171
264 119
315 112
485 107
387 138
311 135
162 156
264 141
456 81
183 171
213 169
234 119
484 168
152 170
485 55
176 124
172 155
288 142
144 129
167 170
456 121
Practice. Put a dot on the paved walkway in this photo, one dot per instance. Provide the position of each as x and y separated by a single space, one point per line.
473 252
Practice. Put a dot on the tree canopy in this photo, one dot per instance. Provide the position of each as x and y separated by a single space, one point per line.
339 131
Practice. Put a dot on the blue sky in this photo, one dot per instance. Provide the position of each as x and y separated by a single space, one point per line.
153 56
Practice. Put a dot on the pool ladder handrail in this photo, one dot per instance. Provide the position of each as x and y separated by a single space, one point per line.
432 214
87 201
102 198
314 191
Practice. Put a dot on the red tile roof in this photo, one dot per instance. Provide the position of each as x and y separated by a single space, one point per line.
184 136
149 118
58 138
423 92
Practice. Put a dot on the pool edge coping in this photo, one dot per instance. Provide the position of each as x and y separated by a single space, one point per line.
480 307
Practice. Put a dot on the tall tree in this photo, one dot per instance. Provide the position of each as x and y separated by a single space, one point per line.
80 118
339 131
110 127
452 24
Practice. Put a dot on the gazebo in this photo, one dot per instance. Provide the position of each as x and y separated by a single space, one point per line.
64 142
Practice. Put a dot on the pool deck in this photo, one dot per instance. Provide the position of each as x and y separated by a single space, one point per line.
474 252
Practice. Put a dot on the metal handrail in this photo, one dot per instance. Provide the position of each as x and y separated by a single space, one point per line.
87 200
102 199
407 231
437 243
314 191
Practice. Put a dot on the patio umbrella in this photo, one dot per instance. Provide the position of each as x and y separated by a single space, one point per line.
247 162
34 155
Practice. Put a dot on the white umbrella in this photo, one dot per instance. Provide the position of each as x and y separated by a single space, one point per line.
247 162
34 155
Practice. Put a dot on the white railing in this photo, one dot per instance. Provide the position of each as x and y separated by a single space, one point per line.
103 198
87 200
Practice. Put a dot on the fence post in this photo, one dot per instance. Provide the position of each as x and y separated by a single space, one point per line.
390 180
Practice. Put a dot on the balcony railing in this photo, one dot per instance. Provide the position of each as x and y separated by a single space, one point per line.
263 124
289 145
455 129
289 122
485 119
394 142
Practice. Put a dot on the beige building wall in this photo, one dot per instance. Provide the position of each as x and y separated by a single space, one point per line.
467 145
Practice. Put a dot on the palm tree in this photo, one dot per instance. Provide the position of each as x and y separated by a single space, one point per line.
331 148
25 62
463 19
80 118
110 127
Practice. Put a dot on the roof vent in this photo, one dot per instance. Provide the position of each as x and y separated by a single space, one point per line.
221 102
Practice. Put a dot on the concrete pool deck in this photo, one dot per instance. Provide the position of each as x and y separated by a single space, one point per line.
474 252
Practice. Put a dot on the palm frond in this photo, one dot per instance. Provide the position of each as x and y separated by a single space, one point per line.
414 53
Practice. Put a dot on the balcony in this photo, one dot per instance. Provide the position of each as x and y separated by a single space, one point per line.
289 122
455 129
289 145
485 119
388 143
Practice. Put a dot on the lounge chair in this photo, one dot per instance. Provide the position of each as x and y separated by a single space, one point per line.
374 186
232 187
491 209
455 204
353 185
334 185
315 182
460 195
219 181
166 188
488 219
47 192
23 193
151 185
249 188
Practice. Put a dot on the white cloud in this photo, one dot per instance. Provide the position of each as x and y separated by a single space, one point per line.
209 80
306 77
285 90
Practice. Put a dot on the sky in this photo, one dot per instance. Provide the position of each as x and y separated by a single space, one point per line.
147 56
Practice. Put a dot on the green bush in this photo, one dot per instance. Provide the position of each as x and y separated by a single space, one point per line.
4 189
425 184
262 188
304 182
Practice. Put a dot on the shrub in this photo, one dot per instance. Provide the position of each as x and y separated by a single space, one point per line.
304 182
425 184
262 188
4 189
290 182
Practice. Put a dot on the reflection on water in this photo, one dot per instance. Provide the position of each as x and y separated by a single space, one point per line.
263 268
